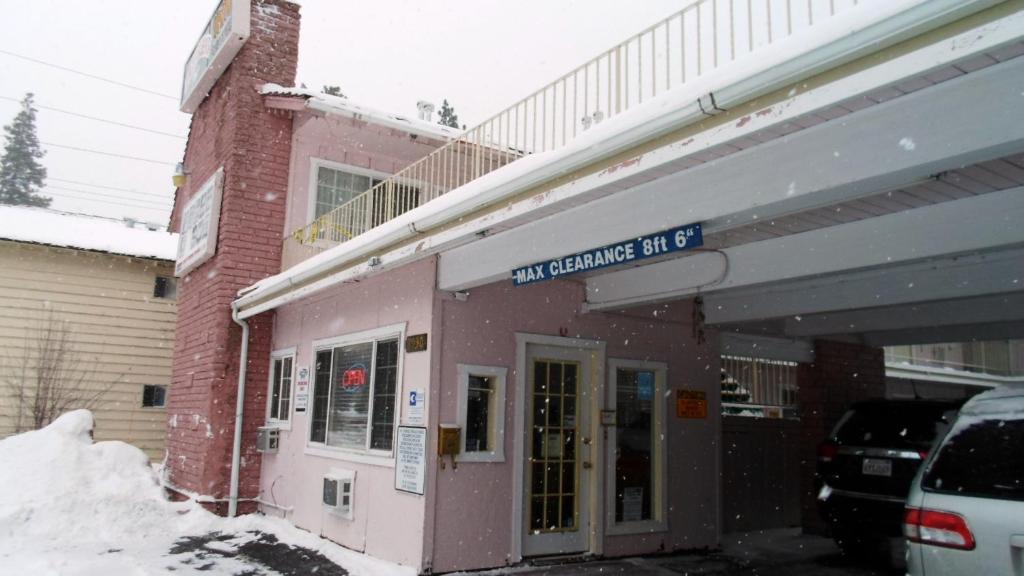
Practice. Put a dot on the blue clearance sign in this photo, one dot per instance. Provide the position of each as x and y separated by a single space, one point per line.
649 246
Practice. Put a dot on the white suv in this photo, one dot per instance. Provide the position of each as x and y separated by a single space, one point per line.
965 512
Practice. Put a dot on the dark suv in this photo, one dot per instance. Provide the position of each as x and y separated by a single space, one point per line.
867 464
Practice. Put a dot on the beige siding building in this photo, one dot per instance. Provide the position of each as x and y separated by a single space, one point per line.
92 302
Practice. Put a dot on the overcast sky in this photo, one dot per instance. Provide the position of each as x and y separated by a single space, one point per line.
479 54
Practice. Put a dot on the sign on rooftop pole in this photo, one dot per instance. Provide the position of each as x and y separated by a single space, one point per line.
222 38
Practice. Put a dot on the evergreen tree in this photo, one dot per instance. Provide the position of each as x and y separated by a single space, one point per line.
21 174
448 117
333 91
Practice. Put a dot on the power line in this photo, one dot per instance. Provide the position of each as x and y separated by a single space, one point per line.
114 154
80 183
65 196
114 122
69 197
114 196
87 75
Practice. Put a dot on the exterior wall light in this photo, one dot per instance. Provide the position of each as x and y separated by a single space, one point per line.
179 176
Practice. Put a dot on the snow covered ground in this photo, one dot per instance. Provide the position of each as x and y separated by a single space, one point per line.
70 506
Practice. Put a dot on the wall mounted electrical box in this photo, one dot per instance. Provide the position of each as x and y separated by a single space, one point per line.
448 440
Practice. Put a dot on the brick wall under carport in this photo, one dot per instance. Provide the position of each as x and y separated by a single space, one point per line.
842 373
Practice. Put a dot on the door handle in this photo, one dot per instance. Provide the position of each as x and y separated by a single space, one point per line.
585 441
587 465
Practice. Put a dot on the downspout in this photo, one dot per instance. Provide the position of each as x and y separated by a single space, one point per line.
236 453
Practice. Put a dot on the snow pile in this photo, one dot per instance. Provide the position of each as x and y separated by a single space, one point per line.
55 228
57 484
73 507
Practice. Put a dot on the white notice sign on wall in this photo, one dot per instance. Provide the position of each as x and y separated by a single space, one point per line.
200 219
302 389
411 459
415 408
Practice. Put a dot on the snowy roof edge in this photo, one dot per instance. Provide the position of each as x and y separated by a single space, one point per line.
343 106
61 229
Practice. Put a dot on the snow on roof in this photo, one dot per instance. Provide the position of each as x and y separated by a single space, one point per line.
56 228
345 107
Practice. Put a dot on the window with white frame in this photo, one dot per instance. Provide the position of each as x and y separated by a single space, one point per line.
354 394
481 412
281 372
636 445
336 186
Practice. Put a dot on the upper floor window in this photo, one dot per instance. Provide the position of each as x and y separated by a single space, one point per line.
354 393
336 185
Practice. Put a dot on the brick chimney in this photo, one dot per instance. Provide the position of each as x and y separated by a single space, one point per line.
231 129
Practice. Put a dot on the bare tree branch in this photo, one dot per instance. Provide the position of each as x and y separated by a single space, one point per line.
49 376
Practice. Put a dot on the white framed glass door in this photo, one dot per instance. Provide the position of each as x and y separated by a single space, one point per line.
558 453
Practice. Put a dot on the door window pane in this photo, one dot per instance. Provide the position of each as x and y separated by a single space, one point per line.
634 444
553 472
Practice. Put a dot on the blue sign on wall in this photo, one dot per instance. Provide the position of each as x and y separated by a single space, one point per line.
644 385
649 246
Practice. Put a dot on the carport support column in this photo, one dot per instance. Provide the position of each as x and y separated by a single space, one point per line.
842 373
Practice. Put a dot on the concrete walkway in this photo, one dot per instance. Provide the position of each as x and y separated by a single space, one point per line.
784 552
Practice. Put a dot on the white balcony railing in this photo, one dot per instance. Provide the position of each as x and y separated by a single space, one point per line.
704 36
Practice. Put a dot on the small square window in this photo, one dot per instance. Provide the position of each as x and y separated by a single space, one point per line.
165 287
154 396
482 413
479 408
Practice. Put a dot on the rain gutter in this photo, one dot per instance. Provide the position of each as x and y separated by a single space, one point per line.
840 40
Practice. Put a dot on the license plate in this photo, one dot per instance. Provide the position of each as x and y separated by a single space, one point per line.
877 467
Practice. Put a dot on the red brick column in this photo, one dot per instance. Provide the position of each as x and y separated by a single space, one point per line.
231 128
842 374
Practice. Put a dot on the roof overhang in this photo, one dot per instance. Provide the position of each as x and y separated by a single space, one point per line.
535 187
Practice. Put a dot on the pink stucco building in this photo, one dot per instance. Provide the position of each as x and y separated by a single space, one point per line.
342 367
356 354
